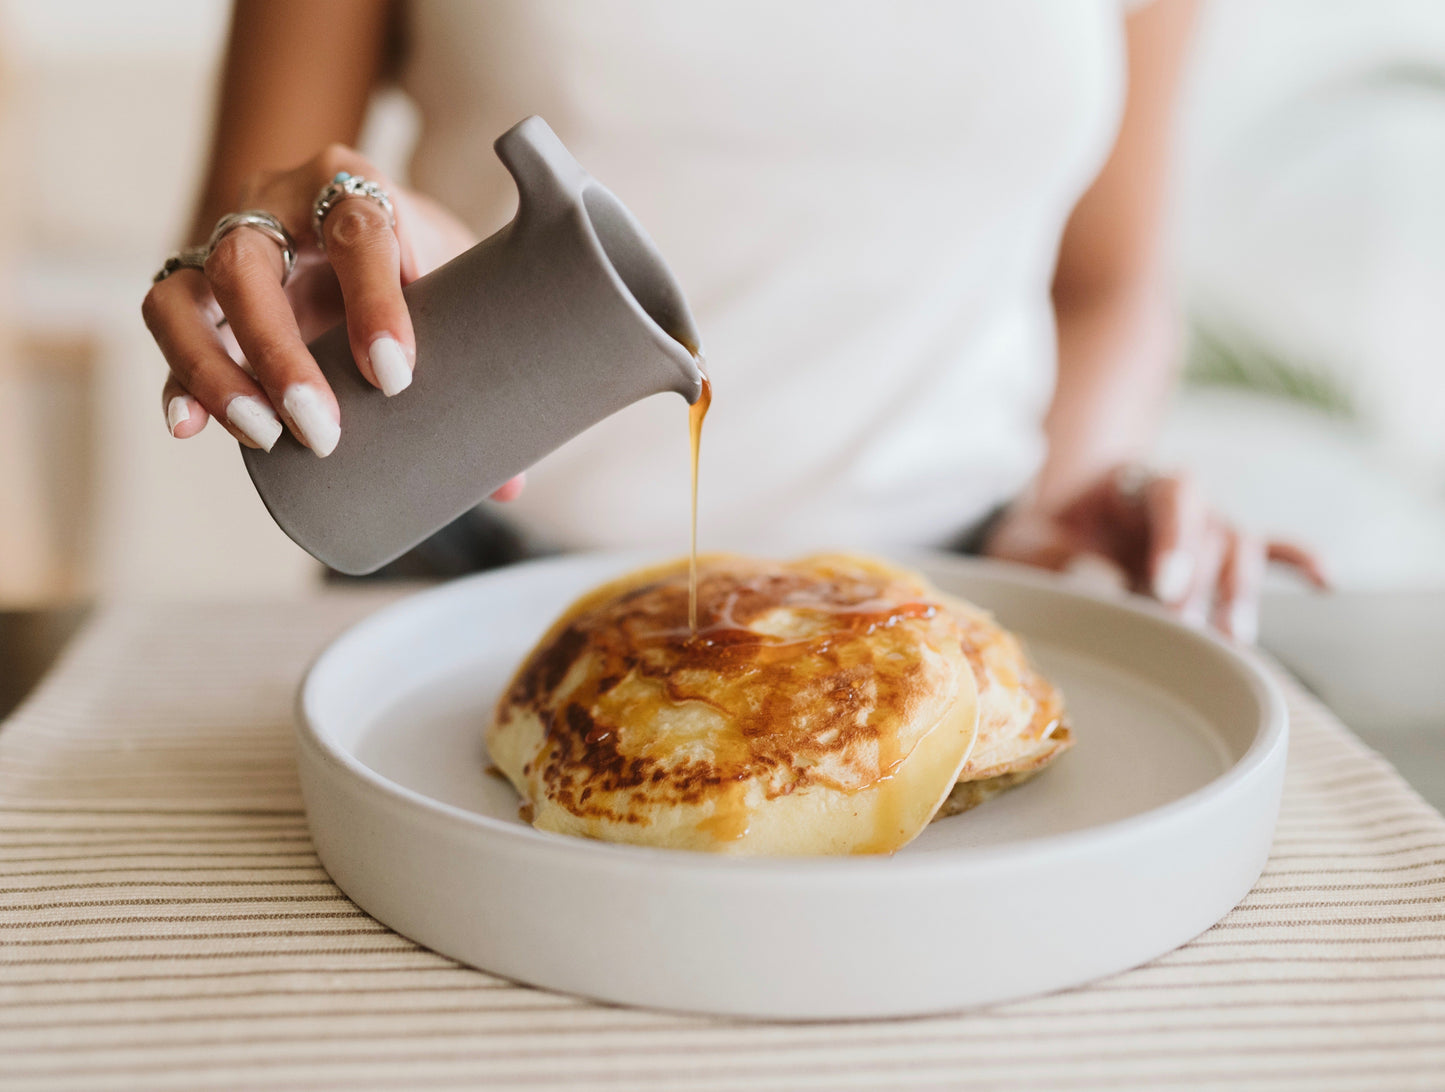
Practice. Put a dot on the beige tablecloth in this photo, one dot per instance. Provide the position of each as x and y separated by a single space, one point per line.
164 924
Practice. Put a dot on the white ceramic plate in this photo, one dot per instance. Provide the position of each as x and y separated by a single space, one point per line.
1152 828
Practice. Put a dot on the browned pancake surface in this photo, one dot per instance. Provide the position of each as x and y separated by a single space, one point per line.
815 679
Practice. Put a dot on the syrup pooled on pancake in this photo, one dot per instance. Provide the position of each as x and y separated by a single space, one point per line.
821 706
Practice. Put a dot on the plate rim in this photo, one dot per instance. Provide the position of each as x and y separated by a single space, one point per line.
1270 738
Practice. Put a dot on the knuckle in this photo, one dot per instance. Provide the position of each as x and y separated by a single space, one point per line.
355 222
185 368
151 307
265 351
160 306
270 354
225 261
239 256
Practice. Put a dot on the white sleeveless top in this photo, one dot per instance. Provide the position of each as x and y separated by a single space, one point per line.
863 203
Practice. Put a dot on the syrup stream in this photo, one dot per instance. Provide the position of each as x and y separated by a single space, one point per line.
695 414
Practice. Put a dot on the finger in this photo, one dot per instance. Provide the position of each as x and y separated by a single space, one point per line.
1236 611
184 415
1175 514
366 256
1306 561
244 270
1208 560
177 313
511 490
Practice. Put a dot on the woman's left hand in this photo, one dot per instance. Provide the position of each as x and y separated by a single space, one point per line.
1162 539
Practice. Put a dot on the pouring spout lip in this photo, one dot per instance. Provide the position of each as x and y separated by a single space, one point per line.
687 361
691 374
691 371
642 278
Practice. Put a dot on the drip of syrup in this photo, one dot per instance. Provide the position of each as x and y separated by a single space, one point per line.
695 414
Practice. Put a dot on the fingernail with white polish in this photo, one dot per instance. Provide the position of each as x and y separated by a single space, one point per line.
389 363
312 418
1244 622
178 412
1171 578
255 420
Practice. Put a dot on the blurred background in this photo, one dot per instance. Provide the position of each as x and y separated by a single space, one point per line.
1311 234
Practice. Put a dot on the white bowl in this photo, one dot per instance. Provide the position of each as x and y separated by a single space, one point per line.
1145 834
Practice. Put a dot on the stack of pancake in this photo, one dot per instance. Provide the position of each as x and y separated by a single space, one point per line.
836 704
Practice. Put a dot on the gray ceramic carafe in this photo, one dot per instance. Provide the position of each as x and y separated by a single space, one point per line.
561 318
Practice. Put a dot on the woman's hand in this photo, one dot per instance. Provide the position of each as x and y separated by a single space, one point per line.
253 371
1160 538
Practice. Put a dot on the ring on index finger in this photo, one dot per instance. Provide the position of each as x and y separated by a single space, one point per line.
342 186
264 222
1132 479
192 257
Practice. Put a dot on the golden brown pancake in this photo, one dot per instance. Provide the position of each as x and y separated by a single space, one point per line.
823 706
1022 724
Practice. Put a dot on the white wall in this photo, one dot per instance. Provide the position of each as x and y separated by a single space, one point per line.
1311 219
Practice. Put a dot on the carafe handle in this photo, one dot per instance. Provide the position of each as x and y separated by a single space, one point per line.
549 179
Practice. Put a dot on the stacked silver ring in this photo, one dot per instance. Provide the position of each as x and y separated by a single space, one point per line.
342 186
264 222
194 257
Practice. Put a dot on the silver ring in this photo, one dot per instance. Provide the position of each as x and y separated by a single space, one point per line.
342 186
192 257
267 224
1132 479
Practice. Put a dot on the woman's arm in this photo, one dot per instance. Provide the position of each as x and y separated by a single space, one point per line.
1118 346
1114 306
298 75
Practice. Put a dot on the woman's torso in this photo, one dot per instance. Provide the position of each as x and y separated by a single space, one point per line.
863 203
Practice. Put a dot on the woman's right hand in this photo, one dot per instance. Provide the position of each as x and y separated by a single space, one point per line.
253 372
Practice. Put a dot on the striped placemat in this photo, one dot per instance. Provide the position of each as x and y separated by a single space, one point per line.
164 924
